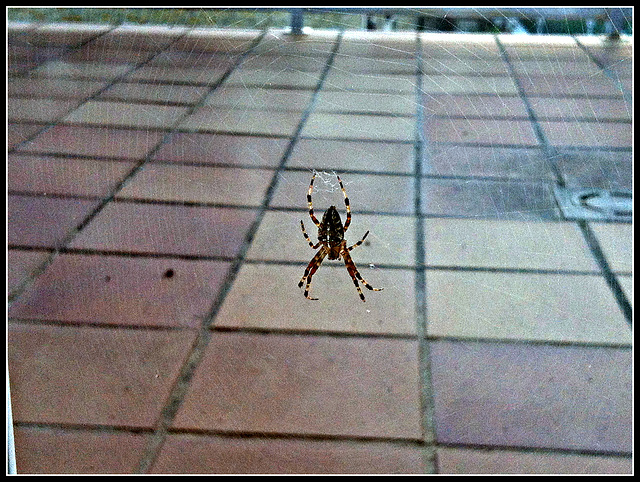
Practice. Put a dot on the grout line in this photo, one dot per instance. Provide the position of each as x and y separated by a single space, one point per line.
206 331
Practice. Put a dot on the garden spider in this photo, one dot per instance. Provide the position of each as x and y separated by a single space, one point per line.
331 238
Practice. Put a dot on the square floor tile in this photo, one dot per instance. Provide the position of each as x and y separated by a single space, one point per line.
92 376
488 199
484 131
242 121
471 461
506 244
574 308
457 84
94 141
353 155
249 455
222 149
596 134
126 115
43 221
485 161
564 397
391 239
305 385
267 296
203 184
473 106
616 242
373 127
366 102
55 175
167 229
60 451
378 193
255 98
123 291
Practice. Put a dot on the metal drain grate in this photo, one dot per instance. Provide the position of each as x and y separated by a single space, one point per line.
595 204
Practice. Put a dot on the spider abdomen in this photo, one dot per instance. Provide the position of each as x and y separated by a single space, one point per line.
331 230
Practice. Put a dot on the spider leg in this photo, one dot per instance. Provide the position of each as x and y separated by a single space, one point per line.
355 274
306 236
313 218
347 222
312 267
359 242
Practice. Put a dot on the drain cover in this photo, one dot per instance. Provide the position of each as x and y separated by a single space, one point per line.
594 204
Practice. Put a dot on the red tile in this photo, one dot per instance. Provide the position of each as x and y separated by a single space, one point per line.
151 228
94 141
600 134
44 222
222 149
60 451
53 175
305 385
207 455
93 376
564 397
123 291
486 131
473 106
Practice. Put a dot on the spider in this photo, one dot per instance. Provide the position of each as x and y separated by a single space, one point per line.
331 238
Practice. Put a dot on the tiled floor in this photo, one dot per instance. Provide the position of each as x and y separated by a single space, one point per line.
157 179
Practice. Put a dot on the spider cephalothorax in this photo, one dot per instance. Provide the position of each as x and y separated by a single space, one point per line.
332 243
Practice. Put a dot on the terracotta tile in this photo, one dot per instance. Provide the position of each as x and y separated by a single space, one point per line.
374 127
44 222
596 168
38 110
17 133
370 82
565 397
507 244
123 291
369 44
343 155
485 131
298 378
54 175
83 70
250 304
470 461
125 91
391 239
206 455
254 98
594 85
222 149
386 65
575 308
466 45
366 102
555 66
379 193
187 75
220 185
473 106
242 121
169 229
21 265
600 134
485 161
543 49
94 141
449 84
126 115
285 78
580 108
55 88
488 199
60 451
92 376
464 66
616 242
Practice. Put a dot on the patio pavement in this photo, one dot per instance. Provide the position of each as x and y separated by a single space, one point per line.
157 178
